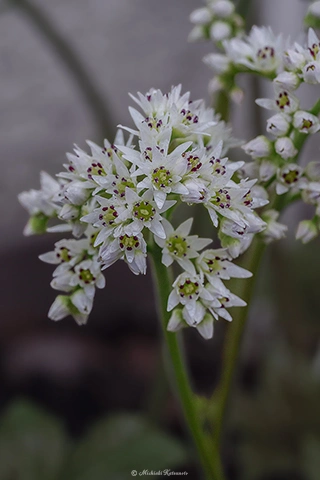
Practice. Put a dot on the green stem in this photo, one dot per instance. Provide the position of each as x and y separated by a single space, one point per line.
187 398
233 340
72 62
222 105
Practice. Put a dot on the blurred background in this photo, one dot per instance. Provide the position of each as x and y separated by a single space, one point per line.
93 402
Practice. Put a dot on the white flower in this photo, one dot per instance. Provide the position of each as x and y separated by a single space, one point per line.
40 204
181 246
131 249
305 122
259 147
311 72
170 111
279 124
144 213
261 50
284 146
201 320
274 230
226 300
288 177
77 305
109 217
307 230
163 174
187 289
216 266
66 254
284 101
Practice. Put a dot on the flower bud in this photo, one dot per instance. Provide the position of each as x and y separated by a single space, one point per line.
220 31
307 230
259 147
218 62
197 33
201 16
314 9
278 124
59 309
287 80
222 8
285 148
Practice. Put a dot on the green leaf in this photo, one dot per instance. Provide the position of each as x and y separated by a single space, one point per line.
32 444
123 443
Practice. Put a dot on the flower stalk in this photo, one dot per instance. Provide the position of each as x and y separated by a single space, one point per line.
173 346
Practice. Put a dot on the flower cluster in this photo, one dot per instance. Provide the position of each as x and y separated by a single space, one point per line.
259 52
275 159
275 155
117 203
217 21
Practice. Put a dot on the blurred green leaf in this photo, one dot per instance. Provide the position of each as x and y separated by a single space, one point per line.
33 444
120 444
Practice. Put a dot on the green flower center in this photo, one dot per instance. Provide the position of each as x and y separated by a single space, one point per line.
86 276
291 177
221 199
64 254
108 216
121 184
144 211
189 289
217 167
193 162
189 117
128 243
177 246
161 177
283 100
213 264
306 124
153 123
96 169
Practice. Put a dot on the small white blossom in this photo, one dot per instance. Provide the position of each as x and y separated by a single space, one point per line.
305 122
288 177
261 50
181 246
